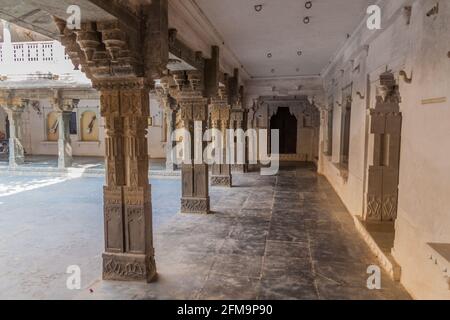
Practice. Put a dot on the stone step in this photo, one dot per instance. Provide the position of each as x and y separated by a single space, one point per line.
386 260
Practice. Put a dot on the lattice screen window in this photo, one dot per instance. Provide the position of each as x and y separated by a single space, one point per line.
19 52
47 52
33 52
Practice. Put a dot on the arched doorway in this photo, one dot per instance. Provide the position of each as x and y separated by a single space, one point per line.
286 123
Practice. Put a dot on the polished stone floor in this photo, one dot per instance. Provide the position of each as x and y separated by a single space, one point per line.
48 161
278 237
270 237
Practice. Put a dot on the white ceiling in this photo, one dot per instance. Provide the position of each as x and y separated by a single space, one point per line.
279 29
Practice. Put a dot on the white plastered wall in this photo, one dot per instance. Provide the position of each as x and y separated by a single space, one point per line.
421 49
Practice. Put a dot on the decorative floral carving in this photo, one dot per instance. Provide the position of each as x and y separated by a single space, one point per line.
374 207
389 207
221 181
127 268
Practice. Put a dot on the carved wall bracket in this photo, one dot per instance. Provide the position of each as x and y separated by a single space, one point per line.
360 95
405 77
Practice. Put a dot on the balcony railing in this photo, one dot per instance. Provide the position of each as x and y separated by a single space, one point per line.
44 51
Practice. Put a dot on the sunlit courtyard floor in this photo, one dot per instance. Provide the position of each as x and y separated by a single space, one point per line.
48 224
270 237
39 164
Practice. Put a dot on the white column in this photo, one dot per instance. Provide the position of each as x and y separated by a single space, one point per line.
7 48
16 152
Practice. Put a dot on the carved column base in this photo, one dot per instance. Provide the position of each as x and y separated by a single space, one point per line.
128 267
239 168
195 205
221 181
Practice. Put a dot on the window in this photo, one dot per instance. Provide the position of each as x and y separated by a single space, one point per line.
73 123
330 115
330 132
345 125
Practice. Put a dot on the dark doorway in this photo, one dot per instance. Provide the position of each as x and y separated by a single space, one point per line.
345 141
7 127
284 121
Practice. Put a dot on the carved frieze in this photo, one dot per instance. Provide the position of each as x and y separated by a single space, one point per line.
374 207
224 181
195 205
128 267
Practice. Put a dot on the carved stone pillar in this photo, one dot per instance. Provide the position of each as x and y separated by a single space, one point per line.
170 109
123 57
64 108
110 53
238 118
386 122
194 111
16 152
171 117
238 121
14 107
64 142
220 119
129 253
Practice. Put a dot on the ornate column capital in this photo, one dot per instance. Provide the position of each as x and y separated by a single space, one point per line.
163 92
128 97
11 102
114 49
188 91
61 104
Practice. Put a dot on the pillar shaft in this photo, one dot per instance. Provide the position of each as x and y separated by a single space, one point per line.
238 120
194 176
64 108
170 127
221 172
14 106
16 152
64 141
129 253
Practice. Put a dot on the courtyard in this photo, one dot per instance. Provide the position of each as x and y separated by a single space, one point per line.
275 237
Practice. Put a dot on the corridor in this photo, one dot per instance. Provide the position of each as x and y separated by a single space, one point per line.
277 237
